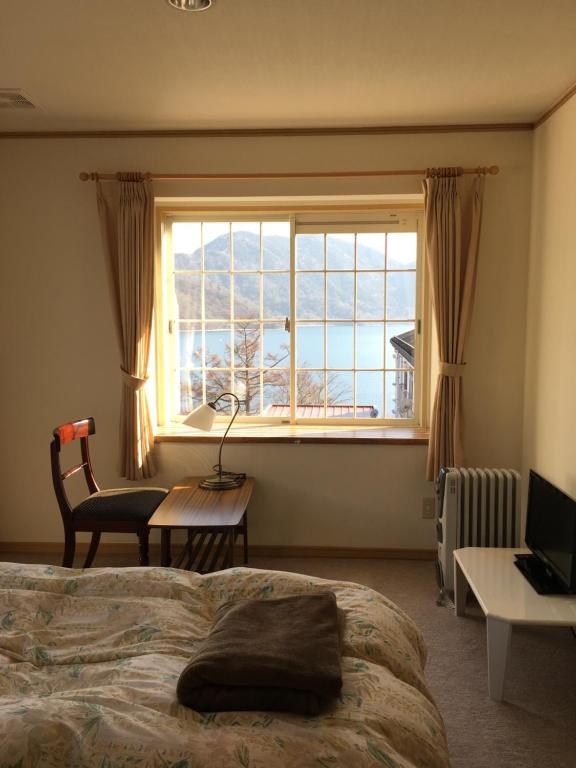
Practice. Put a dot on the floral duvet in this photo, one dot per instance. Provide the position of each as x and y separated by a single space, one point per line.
89 661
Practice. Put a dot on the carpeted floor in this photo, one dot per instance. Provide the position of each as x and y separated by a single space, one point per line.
535 726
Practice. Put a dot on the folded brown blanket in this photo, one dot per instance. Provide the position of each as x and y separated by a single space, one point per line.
281 654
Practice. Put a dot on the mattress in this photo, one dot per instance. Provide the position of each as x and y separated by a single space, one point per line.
89 661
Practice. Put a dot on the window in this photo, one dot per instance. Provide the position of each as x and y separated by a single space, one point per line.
305 317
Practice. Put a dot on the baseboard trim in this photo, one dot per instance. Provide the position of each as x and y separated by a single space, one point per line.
369 553
256 550
50 547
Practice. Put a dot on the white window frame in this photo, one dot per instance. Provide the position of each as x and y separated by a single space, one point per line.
305 218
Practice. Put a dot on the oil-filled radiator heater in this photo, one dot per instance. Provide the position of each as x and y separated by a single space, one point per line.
476 508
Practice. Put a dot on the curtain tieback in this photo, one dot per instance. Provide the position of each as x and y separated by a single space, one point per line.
455 370
133 382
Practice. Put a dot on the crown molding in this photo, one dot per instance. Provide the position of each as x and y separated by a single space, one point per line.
555 107
378 130
368 130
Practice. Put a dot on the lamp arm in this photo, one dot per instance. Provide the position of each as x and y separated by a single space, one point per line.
226 394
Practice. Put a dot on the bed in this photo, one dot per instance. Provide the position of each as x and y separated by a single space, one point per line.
89 661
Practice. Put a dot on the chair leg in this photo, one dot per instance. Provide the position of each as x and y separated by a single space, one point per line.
143 547
95 541
69 548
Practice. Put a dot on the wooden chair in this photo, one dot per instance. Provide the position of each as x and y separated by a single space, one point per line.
119 510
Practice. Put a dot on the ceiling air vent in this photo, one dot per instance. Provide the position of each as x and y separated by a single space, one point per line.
14 98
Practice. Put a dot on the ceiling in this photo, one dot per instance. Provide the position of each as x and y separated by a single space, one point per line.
142 65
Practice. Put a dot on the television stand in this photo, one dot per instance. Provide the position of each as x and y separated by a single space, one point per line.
506 598
539 575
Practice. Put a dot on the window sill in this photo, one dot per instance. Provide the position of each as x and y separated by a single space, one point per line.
291 433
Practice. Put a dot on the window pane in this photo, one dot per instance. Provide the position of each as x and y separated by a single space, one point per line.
217 296
277 295
190 395
354 312
216 245
218 382
187 244
400 394
369 395
340 397
276 346
340 298
402 250
247 390
340 251
370 345
309 251
310 346
400 338
371 248
340 345
401 298
246 245
370 296
310 296
310 395
247 297
188 296
218 345
189 345
246 345
276 393
276 244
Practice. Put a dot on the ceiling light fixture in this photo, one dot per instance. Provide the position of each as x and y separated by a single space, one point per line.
190 5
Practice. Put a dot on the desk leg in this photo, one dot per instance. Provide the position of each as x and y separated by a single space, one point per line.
460 589
498 635
231 537
245 531
165 557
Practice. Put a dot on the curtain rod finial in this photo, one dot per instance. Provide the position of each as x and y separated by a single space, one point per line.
493 170
84 176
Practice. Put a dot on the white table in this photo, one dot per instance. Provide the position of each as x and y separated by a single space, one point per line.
506 598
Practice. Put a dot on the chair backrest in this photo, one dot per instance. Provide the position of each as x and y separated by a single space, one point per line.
67 433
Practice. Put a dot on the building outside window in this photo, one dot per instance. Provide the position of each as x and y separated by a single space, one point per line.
306 317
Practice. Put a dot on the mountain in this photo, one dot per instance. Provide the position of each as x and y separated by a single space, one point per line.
246 253
276 250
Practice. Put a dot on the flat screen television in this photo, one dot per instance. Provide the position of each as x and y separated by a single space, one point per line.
551 531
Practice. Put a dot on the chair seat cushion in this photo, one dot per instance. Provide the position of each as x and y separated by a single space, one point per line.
120 505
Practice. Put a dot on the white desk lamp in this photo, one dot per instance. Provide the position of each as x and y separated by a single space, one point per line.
203 418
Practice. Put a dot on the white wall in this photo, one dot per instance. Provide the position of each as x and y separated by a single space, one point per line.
60 361
550 404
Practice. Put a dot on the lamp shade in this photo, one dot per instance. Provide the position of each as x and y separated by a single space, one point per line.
201 417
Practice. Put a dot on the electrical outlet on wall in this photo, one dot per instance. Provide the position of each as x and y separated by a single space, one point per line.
429 508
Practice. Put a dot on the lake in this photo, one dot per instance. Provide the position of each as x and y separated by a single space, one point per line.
373 350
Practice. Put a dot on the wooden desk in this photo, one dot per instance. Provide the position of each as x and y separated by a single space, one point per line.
213 519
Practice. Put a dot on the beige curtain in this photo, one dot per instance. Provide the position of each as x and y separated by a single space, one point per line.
453 211
126 210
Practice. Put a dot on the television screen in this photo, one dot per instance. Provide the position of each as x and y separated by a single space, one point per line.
551 527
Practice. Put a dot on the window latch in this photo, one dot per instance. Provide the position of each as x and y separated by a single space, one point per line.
287 325
170 326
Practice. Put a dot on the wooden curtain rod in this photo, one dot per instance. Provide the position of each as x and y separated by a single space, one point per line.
491 170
